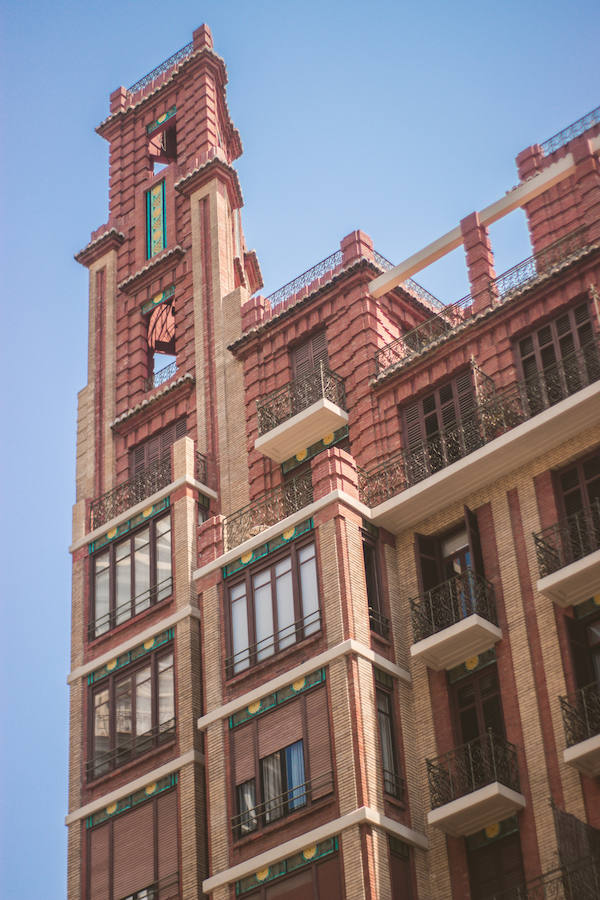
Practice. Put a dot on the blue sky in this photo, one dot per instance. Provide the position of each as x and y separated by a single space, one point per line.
398 118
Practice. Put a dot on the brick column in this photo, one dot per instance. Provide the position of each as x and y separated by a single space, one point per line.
356 245
587 180
480 260
334 470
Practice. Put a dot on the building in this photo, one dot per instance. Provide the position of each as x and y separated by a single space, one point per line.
336 551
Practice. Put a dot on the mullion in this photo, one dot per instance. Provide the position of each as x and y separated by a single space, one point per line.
274 609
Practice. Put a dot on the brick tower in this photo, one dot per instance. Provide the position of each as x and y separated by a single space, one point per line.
336 551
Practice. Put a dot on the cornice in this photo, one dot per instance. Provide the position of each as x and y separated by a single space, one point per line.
111 239
202 174
123 423
153 269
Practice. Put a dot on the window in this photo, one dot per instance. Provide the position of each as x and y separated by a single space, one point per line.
579 499
130 576
495 865
400 869
273 608
392 781
161 345
309 356
477 705
377 621
156 448
156 223
131 712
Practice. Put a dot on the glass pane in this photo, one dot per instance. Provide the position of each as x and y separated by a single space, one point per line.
123 714
101 746
239 628
166 694
143 701
294 766
142 570
247 807
309 589
263 614
387 742
285 603
123 580
163 559
101 594
271 776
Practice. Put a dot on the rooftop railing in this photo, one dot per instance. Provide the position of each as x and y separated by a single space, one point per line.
484 760
134 490
297 797
107 760
575 129
460 596
581 714
410 284
568 540
177 57
160 377
579 881
325 267
282 404
454 316
268 509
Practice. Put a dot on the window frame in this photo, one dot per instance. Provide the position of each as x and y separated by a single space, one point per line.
246 577
392 779
154 589
379 623
159 736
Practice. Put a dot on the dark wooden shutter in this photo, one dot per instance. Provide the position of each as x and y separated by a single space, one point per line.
413 428
329 878
243 752
400 876
151 450
465 395
319 742
308 356
133 850
297 887
98 862
428 553
580 652
168 856
474 541
279 728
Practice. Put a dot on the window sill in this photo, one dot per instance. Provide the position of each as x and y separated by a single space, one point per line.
92 784
119 629
273 661
283 822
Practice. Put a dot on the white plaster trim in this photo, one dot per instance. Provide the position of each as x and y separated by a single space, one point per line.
467 634
134 510
283 434
439 817
132 786
133 641
584 754
273 530
556 585
316 662
362 815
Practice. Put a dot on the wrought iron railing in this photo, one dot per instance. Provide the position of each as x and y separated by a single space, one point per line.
160 377
268 509
496 412
127 749
571 131
325 267
379 623
568 540
455 315
130 608
249 656
460 596
282 404
410 284
581 714
147 482
177 57
484 760
393 784
297 797
578 881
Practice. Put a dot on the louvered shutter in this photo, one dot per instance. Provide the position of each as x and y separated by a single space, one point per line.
308 356
279 728
474 541
133 850
319 743
153 449
243 753
98 862
465 395
428 554
413 429
329 878
319 350
137 460
168 856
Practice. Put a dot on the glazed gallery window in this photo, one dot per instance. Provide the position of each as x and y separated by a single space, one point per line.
392 781
283 789
130 576
131 712
273 607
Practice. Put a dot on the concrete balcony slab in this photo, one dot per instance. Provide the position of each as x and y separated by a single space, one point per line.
458 642
573 583
477 810
585 756
300 431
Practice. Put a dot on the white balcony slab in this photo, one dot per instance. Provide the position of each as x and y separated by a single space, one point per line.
300 431
486 465
573 583
458 642
585 756
476 810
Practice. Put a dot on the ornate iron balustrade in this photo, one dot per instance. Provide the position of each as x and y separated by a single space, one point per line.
568 540
456 314
297 797
579 881
282 404
249 656
561 379
129 749
125 611
482 761
177 57
379 623
410 284
144 484
268 509
460 596
571 131
581 714
325 267
160 377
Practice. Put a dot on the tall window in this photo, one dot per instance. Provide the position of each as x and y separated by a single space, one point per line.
477 705
130 576
131 712
156 221
392 780
273 607
309 356
155 448
378 622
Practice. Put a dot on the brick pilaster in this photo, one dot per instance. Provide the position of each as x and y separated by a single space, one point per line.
480 260
587 179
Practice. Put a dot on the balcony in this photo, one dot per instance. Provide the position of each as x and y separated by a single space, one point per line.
578 881
301 413
474 786
268 509
568 555
454 317
509 426
299 797
581 721
160 377
453 621
107 760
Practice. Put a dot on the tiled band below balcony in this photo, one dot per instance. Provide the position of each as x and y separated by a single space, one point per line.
454 621
474 785
568 555
581 720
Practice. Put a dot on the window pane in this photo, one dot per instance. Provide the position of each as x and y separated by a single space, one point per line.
101 740
143 701
142 570
163 558
123 714
263 614
271 776
247 807
239 628
387 742
166 695
294 765
309 589
101 594
285 603
123 580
